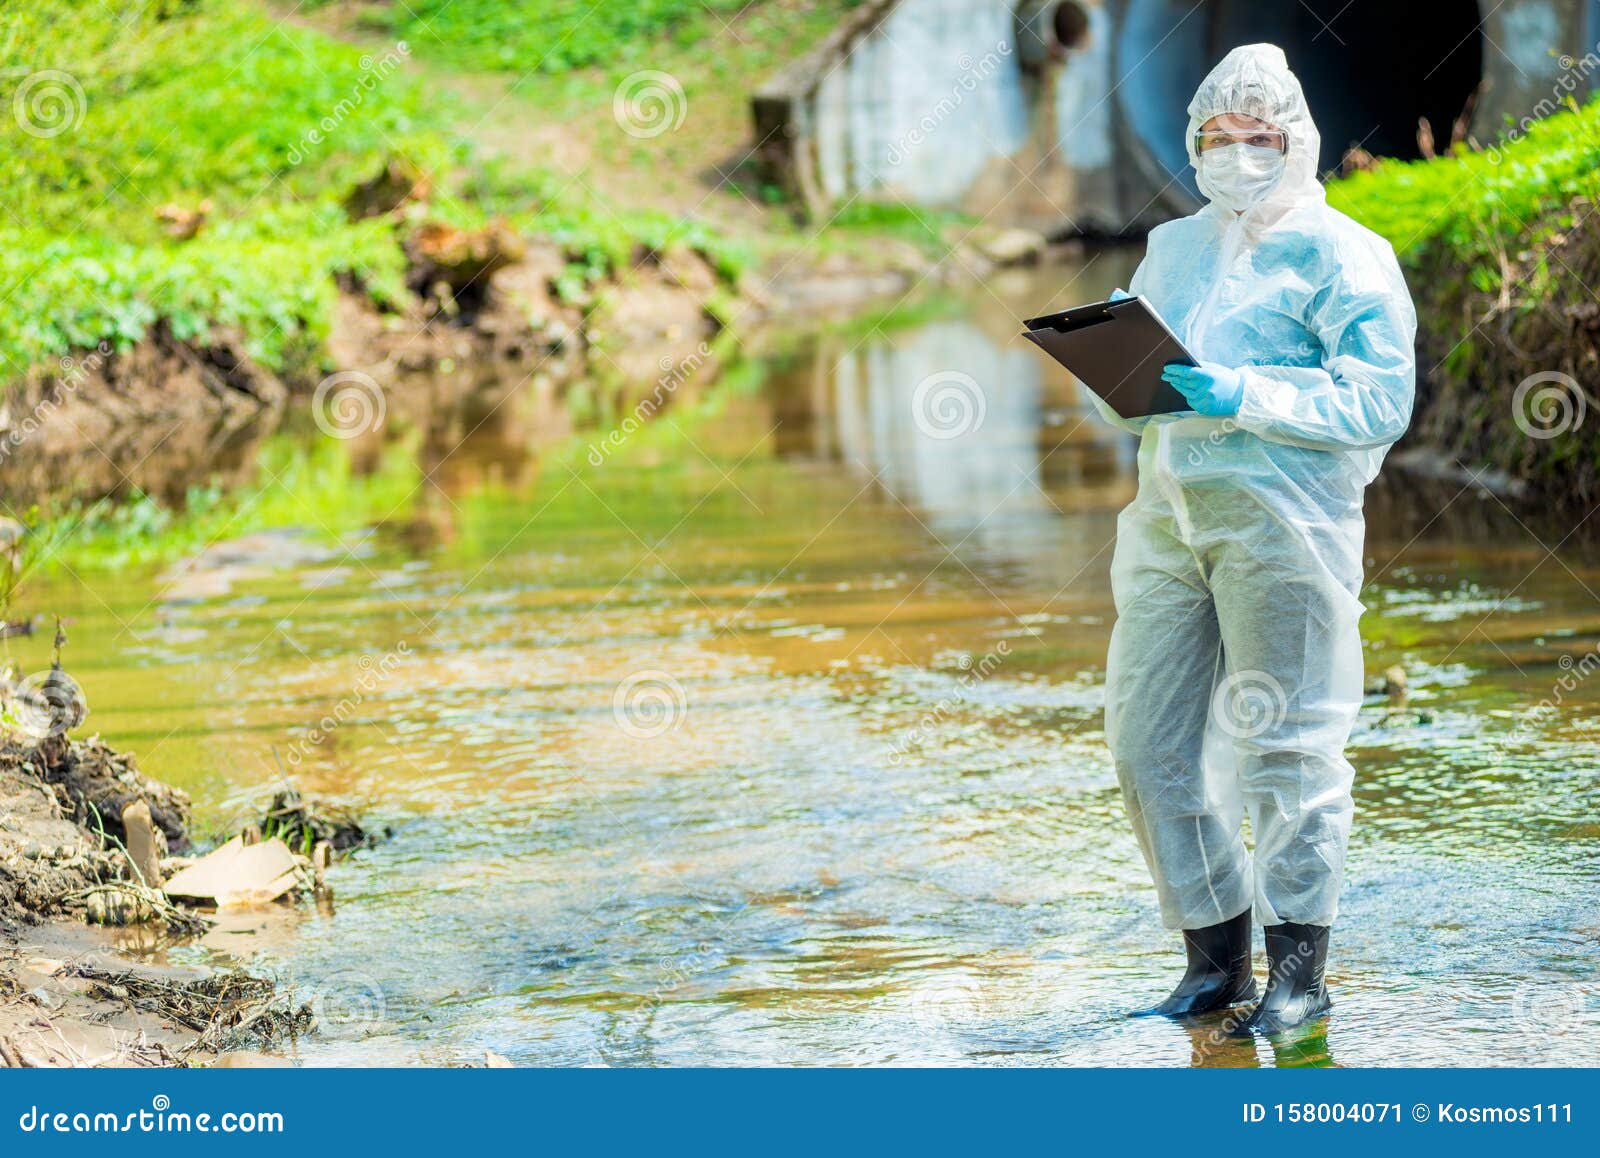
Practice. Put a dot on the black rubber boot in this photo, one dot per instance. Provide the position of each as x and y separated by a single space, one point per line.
1296 958
1218 974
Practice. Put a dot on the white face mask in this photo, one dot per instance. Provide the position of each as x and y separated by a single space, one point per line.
1238 176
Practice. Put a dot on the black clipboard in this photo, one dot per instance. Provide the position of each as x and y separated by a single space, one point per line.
1116 349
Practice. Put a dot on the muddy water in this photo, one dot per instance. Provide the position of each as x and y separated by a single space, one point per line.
775 737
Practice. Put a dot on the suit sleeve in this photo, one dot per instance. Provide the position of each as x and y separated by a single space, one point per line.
1361 395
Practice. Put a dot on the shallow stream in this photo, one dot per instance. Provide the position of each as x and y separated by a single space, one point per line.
775 738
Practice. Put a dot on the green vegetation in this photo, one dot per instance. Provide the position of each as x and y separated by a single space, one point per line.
1494 243
597 238
549 76
304 482
1477 204
551 36
310 483
152 106
154 114
924 227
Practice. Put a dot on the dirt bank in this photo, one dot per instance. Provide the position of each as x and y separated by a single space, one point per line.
69 993
103 422
167 413
1506 375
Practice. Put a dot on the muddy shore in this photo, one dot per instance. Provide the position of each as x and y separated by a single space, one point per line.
73 993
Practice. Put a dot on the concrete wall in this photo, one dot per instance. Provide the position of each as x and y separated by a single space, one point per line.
979 105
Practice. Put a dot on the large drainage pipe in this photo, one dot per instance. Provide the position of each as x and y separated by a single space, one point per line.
1372 70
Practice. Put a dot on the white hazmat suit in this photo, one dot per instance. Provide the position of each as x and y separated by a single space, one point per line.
1235 668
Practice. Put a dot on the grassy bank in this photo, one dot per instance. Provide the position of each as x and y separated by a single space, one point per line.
1502 251
575 37
157 119
551 70
176 106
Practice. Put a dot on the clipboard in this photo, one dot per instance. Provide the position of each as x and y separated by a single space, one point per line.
1117 349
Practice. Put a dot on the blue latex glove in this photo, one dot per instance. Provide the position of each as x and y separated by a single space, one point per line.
1212 390
1119 295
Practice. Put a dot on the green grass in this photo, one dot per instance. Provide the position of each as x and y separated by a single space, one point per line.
1477 204
563 66
1490 238
924 227
555 36
181 102
185 101
597 238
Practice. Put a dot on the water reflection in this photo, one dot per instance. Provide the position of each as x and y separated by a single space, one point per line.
962 426
950 420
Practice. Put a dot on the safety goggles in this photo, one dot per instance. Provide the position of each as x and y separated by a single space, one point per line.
1207 140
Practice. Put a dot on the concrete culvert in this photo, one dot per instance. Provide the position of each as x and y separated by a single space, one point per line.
1047 29
1071 24
1371 70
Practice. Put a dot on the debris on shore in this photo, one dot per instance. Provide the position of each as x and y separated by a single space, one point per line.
228 1009
303 824
69 998
241 873
90 844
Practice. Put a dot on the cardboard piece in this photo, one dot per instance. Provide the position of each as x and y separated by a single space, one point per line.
238 874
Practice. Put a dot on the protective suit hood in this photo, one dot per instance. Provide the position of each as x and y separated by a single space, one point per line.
1254 79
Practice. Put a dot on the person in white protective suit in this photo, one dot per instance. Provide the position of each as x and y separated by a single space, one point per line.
1235 672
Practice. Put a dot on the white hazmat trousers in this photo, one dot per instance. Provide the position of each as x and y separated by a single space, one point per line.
1235 669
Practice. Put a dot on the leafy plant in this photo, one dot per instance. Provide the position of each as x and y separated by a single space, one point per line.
1480 203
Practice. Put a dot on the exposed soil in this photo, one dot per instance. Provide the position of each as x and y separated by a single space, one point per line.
68 994
45 858
152 418
92 785
1505 380
167 414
